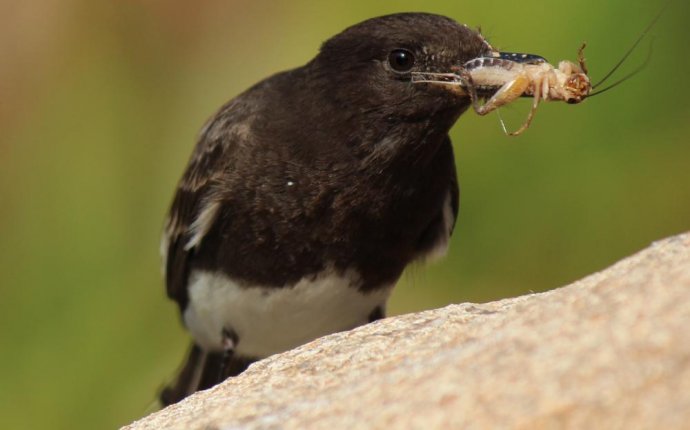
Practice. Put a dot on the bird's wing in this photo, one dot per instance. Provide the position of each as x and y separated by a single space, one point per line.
196 205
454 189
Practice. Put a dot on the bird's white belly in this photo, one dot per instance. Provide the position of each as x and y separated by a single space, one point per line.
272 320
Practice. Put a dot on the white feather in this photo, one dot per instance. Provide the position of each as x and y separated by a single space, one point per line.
272 320
202 224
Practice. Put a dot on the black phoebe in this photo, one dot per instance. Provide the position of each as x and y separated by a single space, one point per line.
308 194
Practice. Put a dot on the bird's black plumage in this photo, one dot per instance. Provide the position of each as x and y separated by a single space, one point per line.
341 166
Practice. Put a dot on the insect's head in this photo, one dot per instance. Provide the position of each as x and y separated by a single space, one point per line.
577 88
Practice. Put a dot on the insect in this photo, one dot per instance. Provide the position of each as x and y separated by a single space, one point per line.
537 78
502 78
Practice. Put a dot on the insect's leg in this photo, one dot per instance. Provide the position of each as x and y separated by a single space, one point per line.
506 94
468 85
535 105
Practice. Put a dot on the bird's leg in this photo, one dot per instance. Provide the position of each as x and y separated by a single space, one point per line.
229 342
377 314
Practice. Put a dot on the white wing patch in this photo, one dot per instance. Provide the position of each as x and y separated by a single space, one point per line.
202 224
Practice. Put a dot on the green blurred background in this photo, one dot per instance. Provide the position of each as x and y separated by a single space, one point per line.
100 103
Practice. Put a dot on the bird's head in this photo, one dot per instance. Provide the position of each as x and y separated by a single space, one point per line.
369 66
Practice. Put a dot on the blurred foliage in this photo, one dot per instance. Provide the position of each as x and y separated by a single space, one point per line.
100 103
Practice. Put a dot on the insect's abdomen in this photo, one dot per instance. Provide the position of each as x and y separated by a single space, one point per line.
492 73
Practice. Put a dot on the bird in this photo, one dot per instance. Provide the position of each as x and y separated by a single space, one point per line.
308 194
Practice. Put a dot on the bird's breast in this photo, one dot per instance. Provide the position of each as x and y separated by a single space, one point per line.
272 320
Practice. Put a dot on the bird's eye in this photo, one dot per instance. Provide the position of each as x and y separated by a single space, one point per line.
401 60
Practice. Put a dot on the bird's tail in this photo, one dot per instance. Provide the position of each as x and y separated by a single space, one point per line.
202 370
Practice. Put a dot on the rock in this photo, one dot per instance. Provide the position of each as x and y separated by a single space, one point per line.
609 351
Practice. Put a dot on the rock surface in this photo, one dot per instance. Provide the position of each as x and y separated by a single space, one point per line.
611 351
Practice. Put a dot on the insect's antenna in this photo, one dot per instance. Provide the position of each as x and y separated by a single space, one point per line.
629 75
630 51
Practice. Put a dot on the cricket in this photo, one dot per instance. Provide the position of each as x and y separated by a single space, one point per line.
500 78
538 79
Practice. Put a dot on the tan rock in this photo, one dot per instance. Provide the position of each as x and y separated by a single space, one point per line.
611 351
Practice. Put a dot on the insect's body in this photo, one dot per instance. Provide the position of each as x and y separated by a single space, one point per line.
567 82
490 74
511 80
